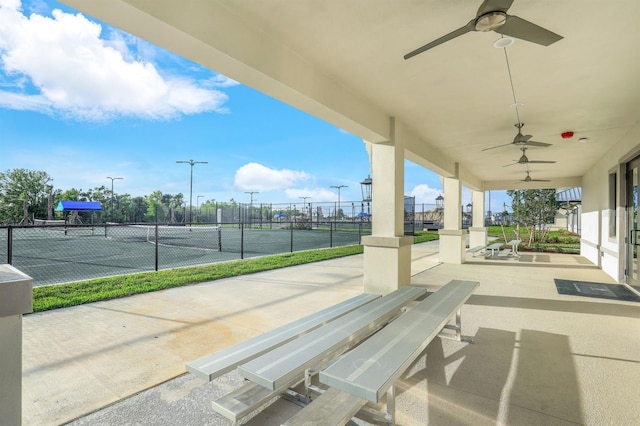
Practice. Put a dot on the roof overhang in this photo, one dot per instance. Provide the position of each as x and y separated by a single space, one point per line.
343 62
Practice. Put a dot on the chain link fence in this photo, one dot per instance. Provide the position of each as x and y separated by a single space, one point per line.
53 254
55 251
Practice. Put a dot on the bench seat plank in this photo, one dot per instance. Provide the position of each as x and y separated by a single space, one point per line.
370 369
237 404
283 364
211 366
332 408
504 253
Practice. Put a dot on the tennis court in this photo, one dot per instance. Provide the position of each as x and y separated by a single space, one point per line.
59 254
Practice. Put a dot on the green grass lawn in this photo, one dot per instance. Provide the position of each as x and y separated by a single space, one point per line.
561 241
78 293
424 236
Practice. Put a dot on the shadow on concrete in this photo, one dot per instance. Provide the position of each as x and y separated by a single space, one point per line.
545 379
452 368
510 263
497 379
596 308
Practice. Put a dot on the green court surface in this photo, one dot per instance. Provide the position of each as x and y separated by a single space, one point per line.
53 255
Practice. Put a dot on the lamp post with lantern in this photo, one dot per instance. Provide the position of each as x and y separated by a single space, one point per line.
365 187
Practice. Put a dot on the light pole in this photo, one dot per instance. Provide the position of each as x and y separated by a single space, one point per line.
338 187
112 179
304 203
198 205
251 205
191 162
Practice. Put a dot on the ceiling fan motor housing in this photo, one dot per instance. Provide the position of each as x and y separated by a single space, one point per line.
490 21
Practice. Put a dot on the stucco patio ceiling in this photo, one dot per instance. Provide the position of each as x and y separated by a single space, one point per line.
342 61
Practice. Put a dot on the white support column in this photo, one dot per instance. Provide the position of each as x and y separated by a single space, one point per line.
477 231
15 300
387 252
452 237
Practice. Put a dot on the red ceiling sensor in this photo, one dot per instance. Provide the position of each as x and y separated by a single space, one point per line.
566 135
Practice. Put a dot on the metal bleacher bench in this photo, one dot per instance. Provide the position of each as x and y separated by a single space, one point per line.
476 250
211 366
504 253
275 371
371 369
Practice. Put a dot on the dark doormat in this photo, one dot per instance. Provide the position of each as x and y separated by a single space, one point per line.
599 290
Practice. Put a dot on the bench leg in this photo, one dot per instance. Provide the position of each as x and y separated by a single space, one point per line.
302 399
307 382
391 405
458 329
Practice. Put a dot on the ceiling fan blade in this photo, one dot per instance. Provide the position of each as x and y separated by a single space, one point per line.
534 180
494 6
540 162
525 30
534 143
460 31
498 146
512 164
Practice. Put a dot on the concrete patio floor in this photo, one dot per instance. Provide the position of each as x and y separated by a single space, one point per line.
539 357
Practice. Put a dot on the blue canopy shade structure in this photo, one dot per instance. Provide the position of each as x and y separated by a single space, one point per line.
279 215
91 206
363 214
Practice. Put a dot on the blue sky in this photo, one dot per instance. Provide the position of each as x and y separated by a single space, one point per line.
83 101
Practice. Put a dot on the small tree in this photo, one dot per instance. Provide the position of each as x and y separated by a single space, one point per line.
22 189
533 208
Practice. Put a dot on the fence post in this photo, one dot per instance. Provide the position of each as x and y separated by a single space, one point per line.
331 234
156 230
242 242
291 226
10 245
360 233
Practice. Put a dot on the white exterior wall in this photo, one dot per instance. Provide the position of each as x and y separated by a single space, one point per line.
596 245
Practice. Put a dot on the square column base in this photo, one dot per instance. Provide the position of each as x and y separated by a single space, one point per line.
16 298
477 237
387 263
452 246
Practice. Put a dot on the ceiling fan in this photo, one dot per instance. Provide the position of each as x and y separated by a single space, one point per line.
529 179
521 140
492 16
525 160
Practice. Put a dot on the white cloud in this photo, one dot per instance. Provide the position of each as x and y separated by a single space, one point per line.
425 194
254 176
73 72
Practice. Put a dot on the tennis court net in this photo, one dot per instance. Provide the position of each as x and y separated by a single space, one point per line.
197 237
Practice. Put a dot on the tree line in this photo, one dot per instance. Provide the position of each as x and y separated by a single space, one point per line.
29 194
26 195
